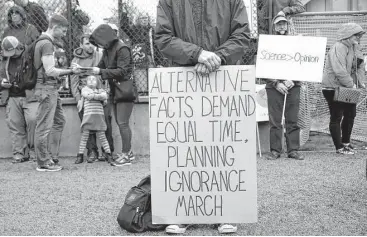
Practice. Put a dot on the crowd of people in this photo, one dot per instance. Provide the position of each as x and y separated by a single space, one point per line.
102 62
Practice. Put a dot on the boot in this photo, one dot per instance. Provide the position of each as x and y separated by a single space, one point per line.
79 159
109 158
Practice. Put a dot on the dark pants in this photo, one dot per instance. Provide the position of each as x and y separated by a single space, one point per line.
275 107
92 140
122 112
340 113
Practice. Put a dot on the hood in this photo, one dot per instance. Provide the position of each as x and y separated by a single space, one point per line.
22 14
103 35
81 53
347 30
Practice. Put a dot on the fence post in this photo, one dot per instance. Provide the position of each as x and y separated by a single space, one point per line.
70 22
270 16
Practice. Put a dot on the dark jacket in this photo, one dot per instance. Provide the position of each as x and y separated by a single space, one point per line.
13 67
185 27
116 62
25 33
36 16
289 7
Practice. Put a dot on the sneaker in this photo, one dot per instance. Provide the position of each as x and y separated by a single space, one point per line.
227 229
50 167
273 155
349 147
92 156
55 161
131 155
18 158
122 160
344 151
295 155
176 229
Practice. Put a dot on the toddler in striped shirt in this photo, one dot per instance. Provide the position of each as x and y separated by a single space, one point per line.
93 118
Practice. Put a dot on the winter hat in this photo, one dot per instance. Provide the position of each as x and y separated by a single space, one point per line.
9 44
349 29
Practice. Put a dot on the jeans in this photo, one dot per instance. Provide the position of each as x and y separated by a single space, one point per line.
21 121
340 113
275 107
122 112
92 140
50 123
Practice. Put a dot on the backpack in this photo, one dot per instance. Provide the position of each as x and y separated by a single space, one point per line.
27 77
136 214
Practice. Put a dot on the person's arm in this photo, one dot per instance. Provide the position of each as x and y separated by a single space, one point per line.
295 7
50 68
124 66
233 49
34 34
74 83
338 58
87 93
101 96
172 47
2 71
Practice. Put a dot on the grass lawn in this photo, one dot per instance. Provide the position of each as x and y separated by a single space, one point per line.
323 195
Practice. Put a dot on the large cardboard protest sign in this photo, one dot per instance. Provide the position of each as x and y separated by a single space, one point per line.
297 58
203 145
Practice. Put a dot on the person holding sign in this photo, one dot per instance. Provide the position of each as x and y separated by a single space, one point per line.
283 101
206 36
344 68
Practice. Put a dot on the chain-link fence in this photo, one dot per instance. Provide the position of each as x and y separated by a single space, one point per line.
135 26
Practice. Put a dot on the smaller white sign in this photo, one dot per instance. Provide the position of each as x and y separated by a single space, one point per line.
296 58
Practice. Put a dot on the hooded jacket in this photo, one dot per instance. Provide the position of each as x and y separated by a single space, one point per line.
185 27
342 68
83 59
36 16
116 63
25 33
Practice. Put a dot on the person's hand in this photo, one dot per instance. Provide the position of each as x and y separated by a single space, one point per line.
289 84
201 69
80 105
104 102
96 70
5 83
281 88
75 68
281 13
210 59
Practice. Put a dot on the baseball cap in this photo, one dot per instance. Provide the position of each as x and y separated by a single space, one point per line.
9 44
279 18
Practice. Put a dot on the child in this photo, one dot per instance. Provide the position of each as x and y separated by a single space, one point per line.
93 117
278 91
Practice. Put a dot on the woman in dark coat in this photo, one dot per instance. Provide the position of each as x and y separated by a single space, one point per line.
115 66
